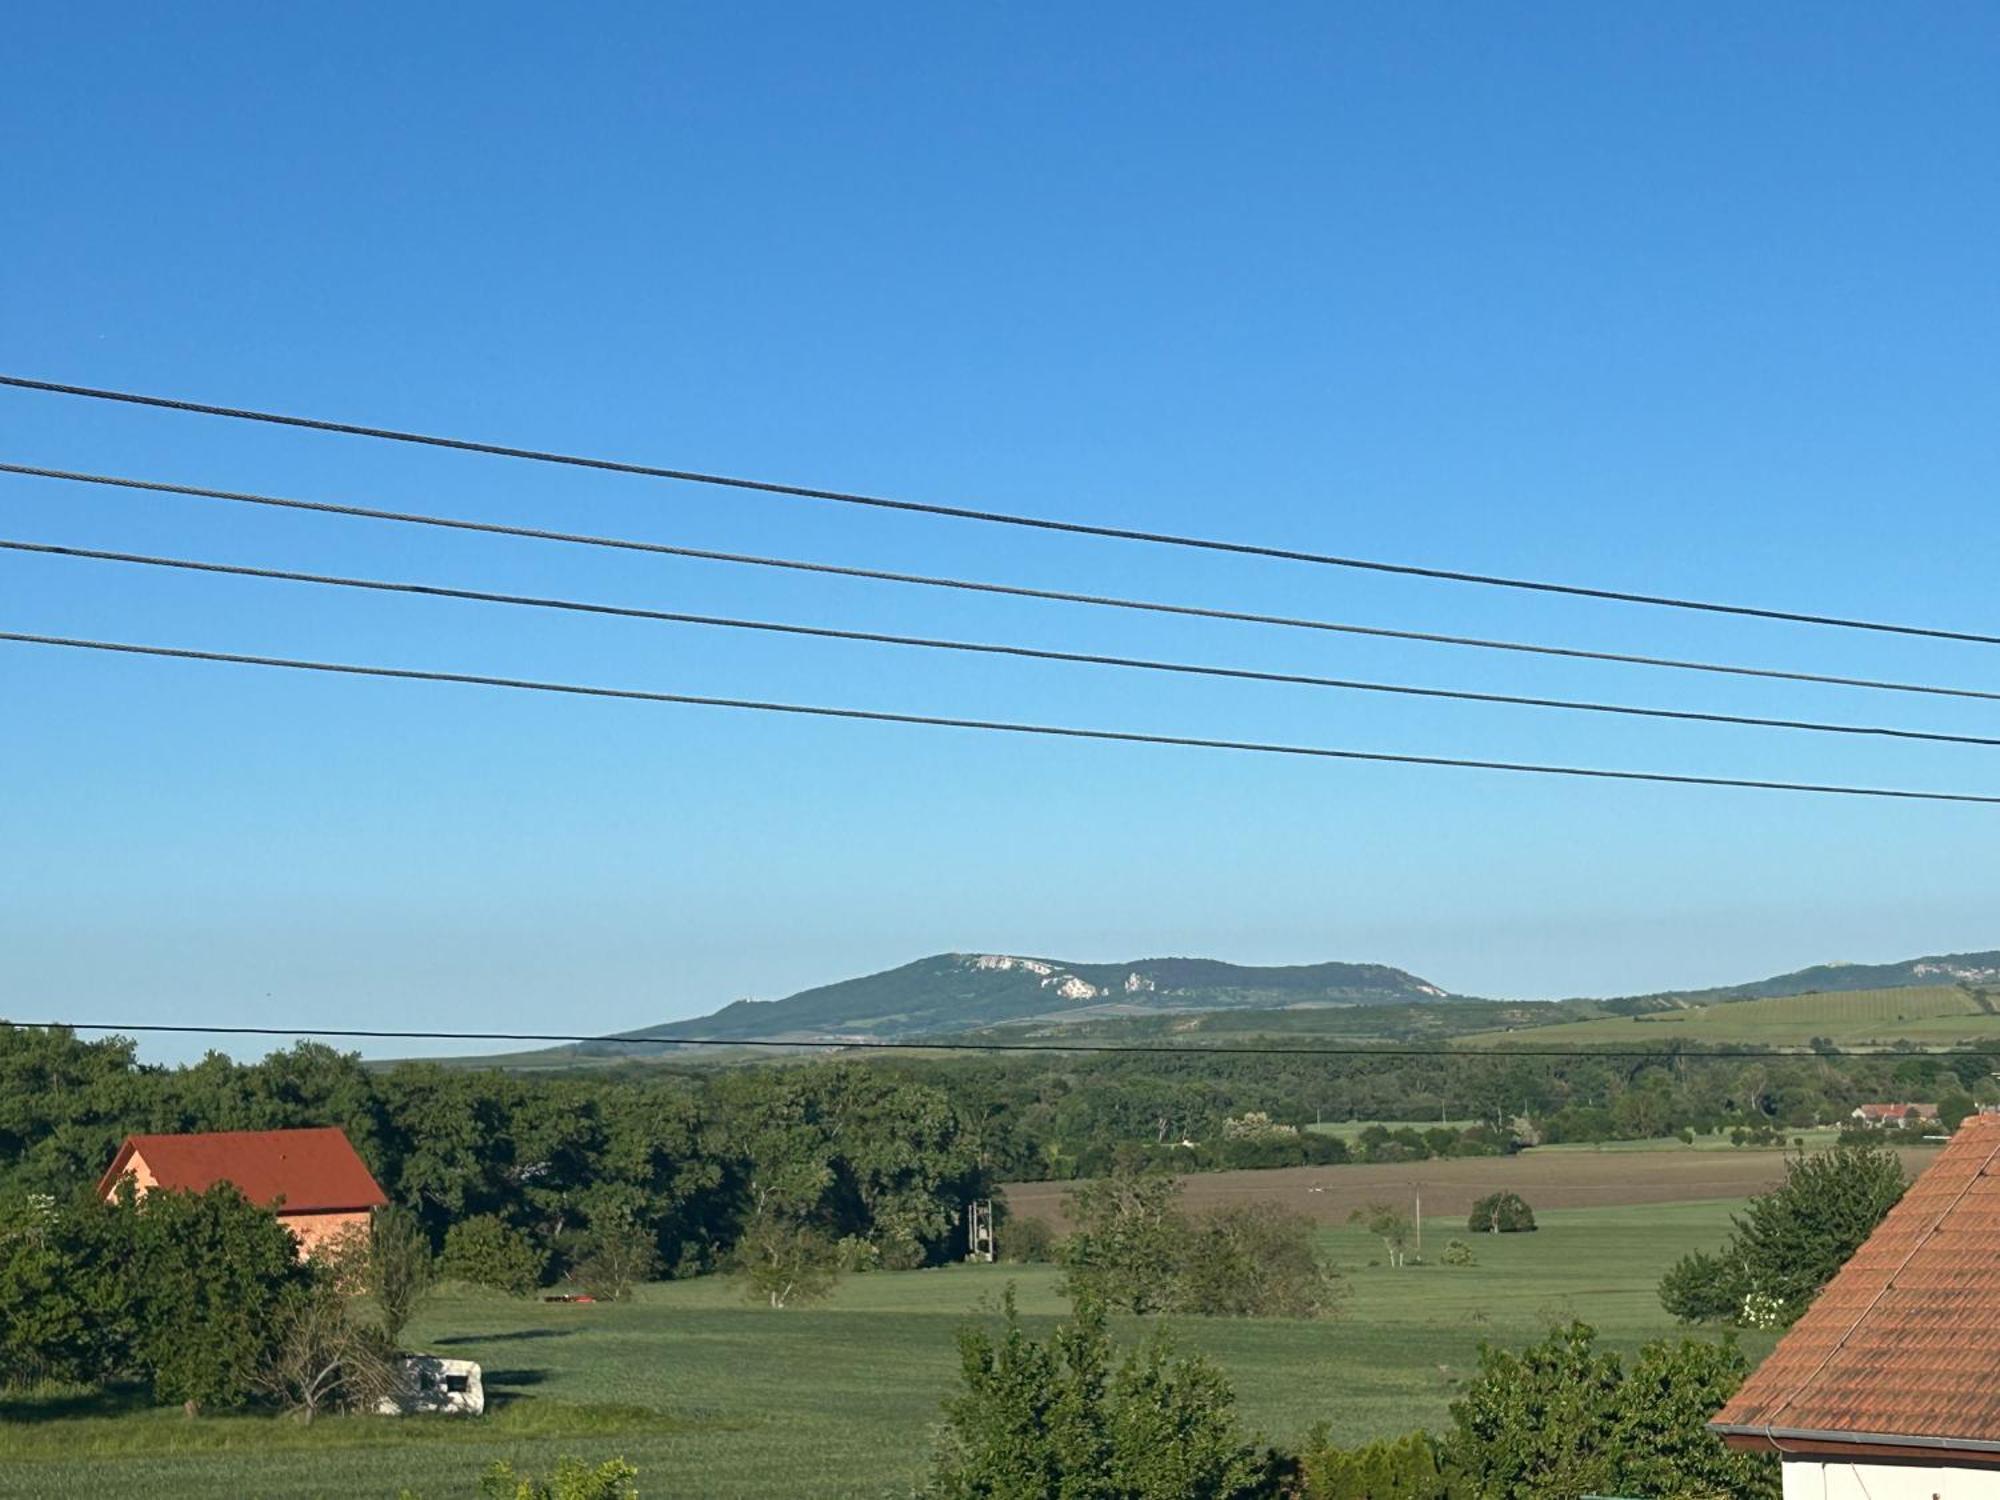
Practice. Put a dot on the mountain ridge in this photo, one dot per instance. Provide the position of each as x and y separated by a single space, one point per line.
950 994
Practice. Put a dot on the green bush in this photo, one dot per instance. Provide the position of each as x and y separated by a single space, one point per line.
573 1479
1405 1468
1253 1260
484 1251
1561 1419
1058 1419
1457 1253
1501 1213
1788 1243
1028 1241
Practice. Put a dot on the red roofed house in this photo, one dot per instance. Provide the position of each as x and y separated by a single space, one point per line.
1888 1388
313 1178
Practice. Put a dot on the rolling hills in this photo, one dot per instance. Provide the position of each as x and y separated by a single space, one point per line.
1011 997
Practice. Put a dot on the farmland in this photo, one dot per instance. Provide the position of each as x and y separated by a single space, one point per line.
712 1397
1936 1014
1550 1177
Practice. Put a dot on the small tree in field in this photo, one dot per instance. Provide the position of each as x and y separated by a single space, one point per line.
1129 1241
398 1268
321 1357
784 1263
1390 1225
622 1253
573 1479
1501 1213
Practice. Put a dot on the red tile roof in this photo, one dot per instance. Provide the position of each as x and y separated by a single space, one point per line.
1904 1343
313 1171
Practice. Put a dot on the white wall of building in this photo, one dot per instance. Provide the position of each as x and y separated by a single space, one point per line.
1805 1480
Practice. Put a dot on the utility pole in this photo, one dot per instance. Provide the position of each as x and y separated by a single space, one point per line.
1418 1189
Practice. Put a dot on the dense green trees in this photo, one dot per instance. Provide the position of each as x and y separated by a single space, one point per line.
1563 1419
1501 1213
1066 1420
1788 1243
184 1291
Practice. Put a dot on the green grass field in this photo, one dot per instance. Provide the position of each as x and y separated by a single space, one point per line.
710 1396
1855 1018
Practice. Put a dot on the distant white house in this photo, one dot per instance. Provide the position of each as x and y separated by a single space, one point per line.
1894 1116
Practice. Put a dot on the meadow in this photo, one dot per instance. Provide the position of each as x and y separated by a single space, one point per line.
711 1396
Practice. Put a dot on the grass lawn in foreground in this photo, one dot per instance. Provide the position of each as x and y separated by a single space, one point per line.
711 1396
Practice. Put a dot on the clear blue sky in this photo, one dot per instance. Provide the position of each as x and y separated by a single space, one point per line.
1661 300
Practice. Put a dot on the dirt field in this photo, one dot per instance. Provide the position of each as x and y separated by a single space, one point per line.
1562 1178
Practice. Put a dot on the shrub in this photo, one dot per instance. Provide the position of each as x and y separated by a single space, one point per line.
398 1269
1561 1419
320 1357
1405 1468
206 1275
485 1251
1501 1213
783 1263
573 1479
1457 1253
1036 1419
1027 1241
619 1253
1253 1260
1788 1243
1129 1241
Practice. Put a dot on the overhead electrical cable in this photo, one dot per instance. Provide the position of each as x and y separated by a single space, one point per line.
988 648
1018 591
994 726
992 517
1737 1053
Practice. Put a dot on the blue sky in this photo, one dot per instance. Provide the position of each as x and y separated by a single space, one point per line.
1627 295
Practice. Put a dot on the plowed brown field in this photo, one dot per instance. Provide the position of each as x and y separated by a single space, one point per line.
1547 1179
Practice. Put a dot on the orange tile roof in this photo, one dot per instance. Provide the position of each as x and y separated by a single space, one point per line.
1904 1343
313 1171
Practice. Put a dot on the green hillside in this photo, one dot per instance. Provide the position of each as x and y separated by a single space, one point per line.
1932 1013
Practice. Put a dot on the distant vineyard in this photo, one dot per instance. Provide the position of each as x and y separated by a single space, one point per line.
1934 1014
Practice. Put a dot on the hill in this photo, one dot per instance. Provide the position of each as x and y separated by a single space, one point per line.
958 992
1010 997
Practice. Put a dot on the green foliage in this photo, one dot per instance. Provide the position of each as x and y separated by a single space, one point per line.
484 1251
1128 1242
1953 1108
1056 1420
573 1479
620 1255
1028 1241
1789 1242
1501 1213
1405 1468
1253 1260
1561 1419
1458 1253
399 1268
209 1273
1389 1224
321 1357
783 1263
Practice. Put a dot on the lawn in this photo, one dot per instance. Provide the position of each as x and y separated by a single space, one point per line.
710 1396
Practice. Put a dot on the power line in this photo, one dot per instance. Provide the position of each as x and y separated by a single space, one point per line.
992 517
1748 1053
1017 591
998 726
987 648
